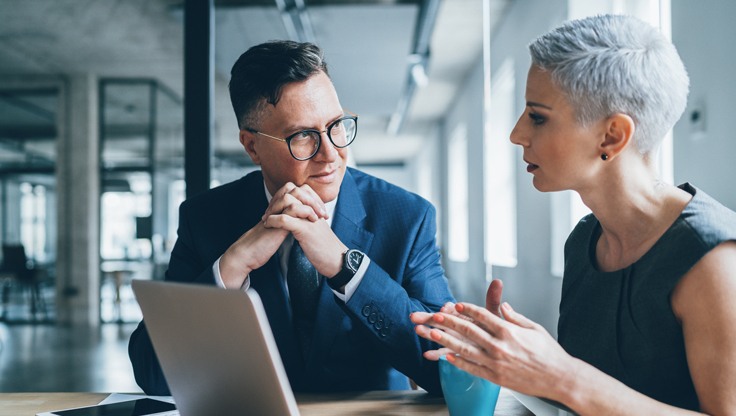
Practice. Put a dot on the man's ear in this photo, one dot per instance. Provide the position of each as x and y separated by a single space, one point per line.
248 141
620 129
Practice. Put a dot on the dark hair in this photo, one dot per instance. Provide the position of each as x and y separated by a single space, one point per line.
261 72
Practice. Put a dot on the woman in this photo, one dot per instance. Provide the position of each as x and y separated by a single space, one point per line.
647 322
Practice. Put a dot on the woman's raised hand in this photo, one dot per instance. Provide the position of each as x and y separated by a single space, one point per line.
493 303
514 352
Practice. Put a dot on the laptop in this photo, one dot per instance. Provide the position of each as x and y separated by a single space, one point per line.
216 349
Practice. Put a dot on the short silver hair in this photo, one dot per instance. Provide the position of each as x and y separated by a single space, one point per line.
611 64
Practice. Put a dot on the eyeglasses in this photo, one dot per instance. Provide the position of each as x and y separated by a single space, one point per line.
304 144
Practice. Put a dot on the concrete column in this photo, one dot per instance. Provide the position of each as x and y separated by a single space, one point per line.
78 173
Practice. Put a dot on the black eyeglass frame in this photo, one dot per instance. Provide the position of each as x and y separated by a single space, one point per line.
288 139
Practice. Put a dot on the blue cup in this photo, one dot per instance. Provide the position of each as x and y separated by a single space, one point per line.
466 394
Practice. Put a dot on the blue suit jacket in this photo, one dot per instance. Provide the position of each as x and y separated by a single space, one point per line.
358 345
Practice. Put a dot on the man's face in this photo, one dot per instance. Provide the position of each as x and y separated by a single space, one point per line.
309 104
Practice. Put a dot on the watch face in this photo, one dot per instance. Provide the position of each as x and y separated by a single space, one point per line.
354 259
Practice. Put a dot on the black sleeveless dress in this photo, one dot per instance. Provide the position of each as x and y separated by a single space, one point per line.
622 322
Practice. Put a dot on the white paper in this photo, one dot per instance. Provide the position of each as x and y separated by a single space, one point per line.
118 397
538 406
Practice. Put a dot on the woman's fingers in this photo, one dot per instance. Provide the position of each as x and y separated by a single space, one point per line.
420 318
493 297
481 316
425 318
434 355
458 334
448 307
472 367
512 351
425 332
516 318
459 346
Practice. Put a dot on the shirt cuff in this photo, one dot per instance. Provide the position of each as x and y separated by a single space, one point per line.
218 277
354 282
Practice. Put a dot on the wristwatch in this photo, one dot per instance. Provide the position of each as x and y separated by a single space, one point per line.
351 260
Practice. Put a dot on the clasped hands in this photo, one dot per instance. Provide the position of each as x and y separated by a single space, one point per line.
498 344
296 210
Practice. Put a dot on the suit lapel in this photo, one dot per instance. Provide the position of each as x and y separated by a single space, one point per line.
349 215
347 224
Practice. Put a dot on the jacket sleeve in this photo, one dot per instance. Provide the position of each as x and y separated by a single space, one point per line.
146 368
382 304
185 265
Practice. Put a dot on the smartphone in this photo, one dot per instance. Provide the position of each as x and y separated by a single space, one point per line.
140 407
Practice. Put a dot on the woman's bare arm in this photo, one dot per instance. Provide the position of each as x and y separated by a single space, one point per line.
519 354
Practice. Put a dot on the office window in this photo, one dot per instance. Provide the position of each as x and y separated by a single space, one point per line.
498 170
457 192
119 210
33 220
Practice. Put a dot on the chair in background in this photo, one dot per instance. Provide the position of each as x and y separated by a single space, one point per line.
16 265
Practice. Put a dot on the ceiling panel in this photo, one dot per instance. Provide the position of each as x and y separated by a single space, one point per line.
239 28
366 47
366 44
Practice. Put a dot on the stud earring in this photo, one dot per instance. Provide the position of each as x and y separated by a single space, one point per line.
604 157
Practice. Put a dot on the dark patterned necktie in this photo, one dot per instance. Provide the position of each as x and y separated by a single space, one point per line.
303 282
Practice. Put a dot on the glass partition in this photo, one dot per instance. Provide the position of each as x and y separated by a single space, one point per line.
141 161
28 138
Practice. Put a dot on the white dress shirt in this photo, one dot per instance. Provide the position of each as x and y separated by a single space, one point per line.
284 251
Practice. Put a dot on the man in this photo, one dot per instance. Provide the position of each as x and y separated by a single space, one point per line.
344 326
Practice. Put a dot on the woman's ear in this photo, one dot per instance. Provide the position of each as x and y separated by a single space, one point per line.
248 141
620 129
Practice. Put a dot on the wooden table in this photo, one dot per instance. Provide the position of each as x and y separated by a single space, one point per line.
370 403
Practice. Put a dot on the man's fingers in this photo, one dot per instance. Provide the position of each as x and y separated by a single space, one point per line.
314 200
289 204
278 205
282 221
288 187
306 195
290 196
301 211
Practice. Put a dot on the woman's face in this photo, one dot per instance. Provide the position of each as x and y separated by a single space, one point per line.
559 152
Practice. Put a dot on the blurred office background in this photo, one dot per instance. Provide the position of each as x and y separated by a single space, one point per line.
93 139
